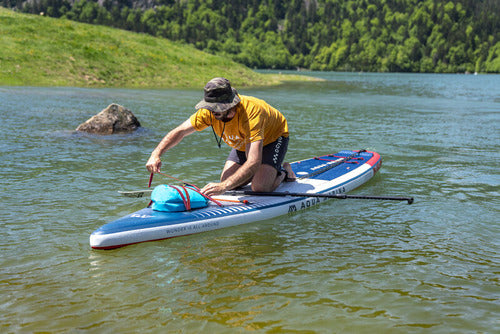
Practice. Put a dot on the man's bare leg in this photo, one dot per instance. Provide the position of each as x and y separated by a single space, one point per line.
266 179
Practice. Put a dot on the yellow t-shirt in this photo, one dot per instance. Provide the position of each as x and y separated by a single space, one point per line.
254 120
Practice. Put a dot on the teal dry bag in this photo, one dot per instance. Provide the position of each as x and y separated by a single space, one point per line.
176 198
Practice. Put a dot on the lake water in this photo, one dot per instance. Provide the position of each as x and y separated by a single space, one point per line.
346 266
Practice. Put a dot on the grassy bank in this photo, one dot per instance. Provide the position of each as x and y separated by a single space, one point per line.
42 51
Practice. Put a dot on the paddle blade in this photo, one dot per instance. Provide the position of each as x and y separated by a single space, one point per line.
136 193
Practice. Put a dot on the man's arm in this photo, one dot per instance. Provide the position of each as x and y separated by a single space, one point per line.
242 176
172 138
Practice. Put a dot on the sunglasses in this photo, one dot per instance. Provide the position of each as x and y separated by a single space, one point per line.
218 114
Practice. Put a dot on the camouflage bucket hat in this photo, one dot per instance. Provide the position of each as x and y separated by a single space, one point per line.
219 96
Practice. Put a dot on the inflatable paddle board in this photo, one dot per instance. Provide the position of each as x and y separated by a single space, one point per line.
332 174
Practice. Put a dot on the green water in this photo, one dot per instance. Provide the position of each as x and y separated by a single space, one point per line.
346 266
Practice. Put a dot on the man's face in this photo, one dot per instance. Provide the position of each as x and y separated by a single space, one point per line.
225 116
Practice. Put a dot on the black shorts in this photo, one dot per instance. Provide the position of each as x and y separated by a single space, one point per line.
272 154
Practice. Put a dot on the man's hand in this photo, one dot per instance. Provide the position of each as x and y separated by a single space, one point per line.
213 189
170 140
154 164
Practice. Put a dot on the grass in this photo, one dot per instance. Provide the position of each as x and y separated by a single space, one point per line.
43 51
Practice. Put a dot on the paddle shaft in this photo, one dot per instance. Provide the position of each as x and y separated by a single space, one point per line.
339 196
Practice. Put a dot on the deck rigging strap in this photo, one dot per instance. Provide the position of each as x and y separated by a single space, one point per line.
185 197
330 166
193 187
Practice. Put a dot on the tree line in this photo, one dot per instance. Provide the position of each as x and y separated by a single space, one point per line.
441 36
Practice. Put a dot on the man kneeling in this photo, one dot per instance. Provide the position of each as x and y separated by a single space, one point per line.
257 132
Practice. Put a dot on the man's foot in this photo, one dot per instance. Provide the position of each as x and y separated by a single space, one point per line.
289 174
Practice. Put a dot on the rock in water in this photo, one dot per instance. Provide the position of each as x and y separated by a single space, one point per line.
113 119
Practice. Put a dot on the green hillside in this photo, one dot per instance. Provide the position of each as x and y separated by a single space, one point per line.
428 36
42 51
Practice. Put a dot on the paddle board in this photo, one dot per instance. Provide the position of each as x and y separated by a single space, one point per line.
336 173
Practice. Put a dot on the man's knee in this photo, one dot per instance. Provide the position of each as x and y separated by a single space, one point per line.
262 188
264 179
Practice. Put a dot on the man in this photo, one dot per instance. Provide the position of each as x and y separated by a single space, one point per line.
257 132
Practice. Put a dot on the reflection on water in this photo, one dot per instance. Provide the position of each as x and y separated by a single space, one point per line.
344 266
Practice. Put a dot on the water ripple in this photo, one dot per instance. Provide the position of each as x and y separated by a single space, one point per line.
344 266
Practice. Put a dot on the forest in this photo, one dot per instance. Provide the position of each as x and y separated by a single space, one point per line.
429 36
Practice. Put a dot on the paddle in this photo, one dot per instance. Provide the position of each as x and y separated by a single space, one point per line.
339 196
142 193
